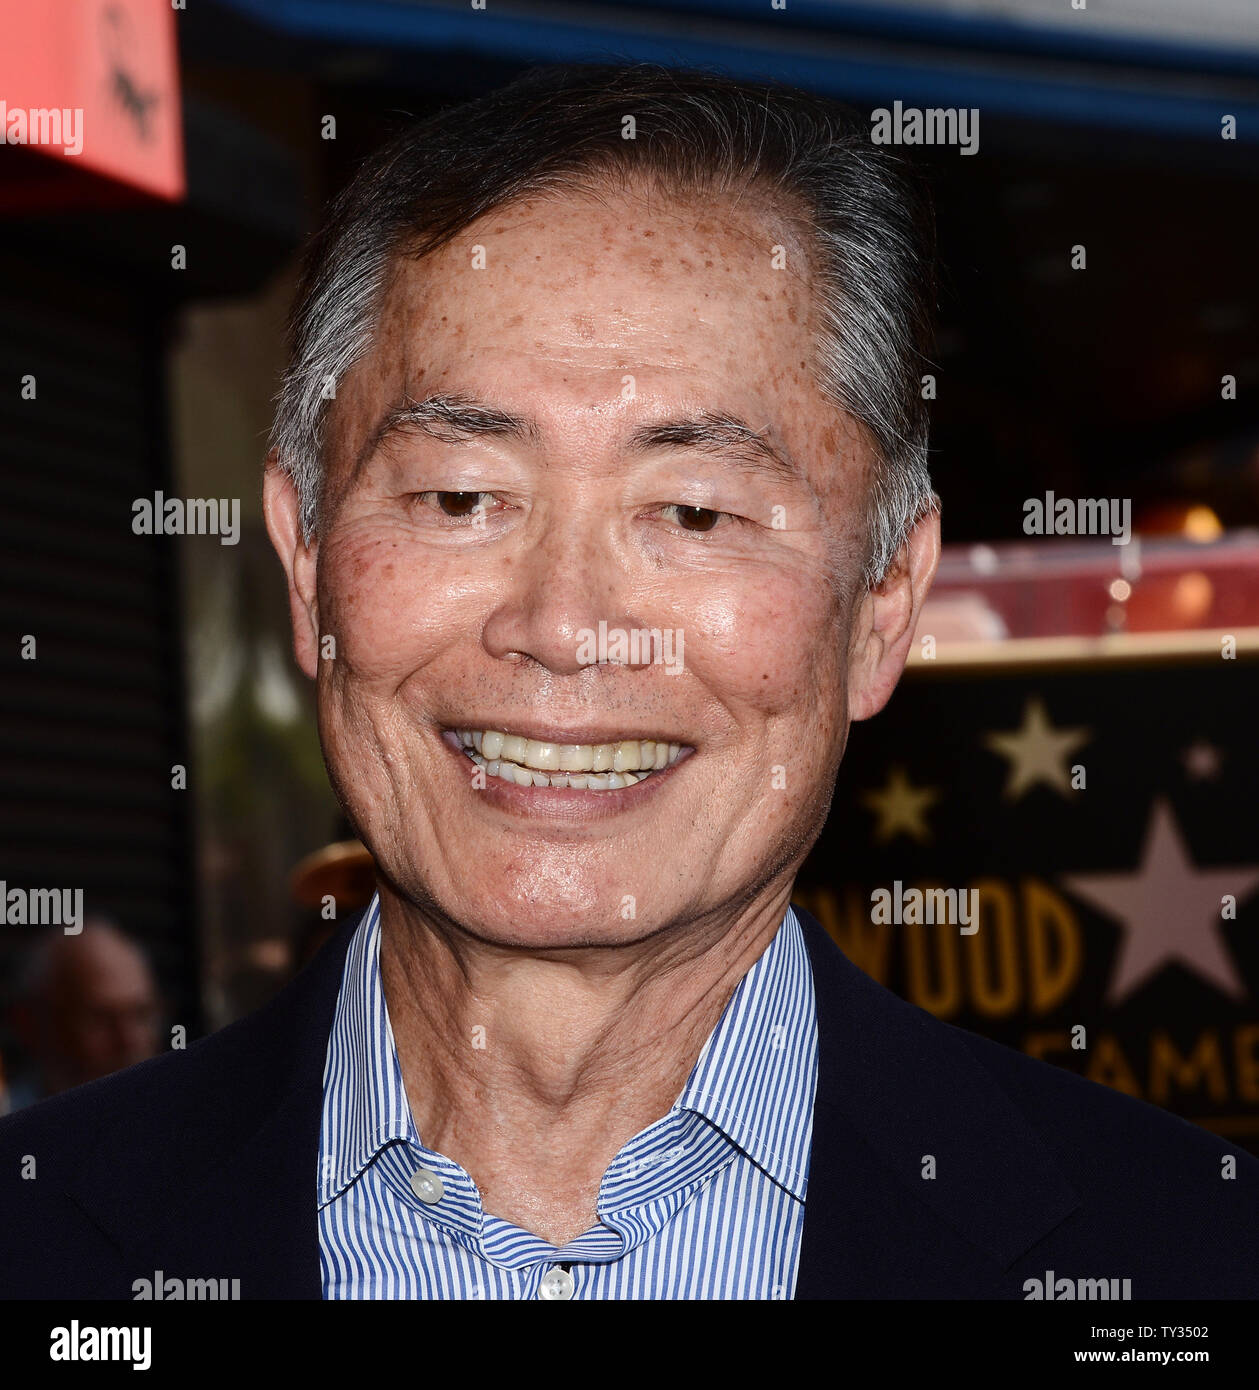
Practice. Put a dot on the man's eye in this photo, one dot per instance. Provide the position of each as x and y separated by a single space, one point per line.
694 518
454 504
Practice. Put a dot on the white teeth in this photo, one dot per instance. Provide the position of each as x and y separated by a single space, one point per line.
544 756
526 777
574 758
535 763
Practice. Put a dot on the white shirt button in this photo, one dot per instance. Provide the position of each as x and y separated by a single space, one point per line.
557 1285
427 1186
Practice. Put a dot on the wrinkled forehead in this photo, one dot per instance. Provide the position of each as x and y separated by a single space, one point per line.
611 273
564 302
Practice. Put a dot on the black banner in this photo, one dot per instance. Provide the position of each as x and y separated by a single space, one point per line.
1100 820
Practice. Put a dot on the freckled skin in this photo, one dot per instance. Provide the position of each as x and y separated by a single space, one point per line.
424 632
509 921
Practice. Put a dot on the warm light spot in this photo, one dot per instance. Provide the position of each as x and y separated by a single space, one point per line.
1201 524
1120 590
1192 597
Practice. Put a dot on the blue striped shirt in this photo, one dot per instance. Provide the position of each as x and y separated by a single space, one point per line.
707 1202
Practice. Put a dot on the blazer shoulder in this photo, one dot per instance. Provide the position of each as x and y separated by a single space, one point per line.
112 1136
1172 1205
1077 1116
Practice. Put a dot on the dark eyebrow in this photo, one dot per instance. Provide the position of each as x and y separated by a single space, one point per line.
449 417
714 432
454 417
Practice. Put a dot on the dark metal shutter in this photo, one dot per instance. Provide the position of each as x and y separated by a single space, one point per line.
89 730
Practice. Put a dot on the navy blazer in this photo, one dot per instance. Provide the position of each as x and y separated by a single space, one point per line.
202 1164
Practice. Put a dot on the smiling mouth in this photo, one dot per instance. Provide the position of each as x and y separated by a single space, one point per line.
530 762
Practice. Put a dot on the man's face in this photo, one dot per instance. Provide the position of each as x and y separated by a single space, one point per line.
99 1013
464 574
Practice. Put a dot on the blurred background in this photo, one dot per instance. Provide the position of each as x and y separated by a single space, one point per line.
1075 737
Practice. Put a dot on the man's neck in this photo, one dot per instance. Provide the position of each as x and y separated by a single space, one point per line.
532 1069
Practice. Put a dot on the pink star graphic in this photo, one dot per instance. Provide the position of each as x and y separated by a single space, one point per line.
1170 910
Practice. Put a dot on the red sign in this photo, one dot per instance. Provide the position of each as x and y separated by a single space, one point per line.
95 84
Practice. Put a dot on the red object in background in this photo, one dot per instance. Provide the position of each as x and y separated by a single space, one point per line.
115 64
1091 588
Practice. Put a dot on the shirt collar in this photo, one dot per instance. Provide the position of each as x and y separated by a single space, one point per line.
365 1101
754 1080
757 1073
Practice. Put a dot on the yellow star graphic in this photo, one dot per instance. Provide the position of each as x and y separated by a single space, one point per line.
1037 751
900 808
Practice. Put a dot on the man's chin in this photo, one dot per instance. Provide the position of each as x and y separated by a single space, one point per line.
556 924
546 921
549 936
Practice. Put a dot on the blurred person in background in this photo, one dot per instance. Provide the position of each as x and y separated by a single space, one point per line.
87 1005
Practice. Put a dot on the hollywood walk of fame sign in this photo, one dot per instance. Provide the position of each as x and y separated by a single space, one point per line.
1105 814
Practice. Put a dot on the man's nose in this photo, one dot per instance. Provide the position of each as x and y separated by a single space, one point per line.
557 596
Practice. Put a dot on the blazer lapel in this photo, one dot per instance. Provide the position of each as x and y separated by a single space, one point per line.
901 1095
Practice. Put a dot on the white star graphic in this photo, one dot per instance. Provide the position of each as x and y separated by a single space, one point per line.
901 808
1037 752
1170 910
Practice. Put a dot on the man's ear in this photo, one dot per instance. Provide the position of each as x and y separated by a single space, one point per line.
281 507
887 617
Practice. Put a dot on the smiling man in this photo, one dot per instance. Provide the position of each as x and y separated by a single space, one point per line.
632 353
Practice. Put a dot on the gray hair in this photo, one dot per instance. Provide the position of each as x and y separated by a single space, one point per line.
865 218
